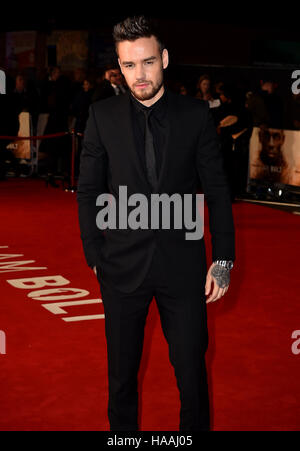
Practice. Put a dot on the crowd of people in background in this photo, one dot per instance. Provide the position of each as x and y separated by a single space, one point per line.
59 103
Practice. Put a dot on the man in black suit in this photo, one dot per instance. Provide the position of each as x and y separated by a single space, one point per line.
153 141
111 85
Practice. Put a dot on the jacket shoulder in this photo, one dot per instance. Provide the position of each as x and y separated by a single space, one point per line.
108 104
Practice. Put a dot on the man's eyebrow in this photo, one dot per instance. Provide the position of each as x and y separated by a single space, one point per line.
151 58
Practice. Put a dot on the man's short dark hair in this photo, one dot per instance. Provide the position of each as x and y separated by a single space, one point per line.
111 66
136 27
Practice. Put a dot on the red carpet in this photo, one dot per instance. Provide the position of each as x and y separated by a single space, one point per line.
54 373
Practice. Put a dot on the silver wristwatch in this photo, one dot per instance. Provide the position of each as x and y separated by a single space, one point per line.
228 264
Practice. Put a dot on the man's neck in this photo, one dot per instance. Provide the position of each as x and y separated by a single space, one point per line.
154 99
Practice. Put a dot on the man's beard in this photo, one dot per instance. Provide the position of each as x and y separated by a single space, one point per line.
147 95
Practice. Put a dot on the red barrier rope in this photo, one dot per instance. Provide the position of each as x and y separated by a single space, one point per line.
33 138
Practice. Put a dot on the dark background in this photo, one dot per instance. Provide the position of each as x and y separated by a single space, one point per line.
237 42
210 33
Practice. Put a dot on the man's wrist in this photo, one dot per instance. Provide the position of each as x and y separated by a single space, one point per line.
227 264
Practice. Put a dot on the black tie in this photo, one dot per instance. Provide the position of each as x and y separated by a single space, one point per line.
150 153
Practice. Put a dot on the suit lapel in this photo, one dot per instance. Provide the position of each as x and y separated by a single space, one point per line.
166 150
127 140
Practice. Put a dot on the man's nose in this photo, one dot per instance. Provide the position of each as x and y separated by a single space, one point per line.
140 72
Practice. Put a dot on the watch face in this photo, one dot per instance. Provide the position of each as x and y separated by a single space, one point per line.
230 265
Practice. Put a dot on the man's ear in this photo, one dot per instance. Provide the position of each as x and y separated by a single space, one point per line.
165 58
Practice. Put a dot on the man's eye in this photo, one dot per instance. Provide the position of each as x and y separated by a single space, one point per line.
149 62
128 66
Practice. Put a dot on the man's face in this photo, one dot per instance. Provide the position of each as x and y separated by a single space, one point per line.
114 76
271 142
142 65
86 86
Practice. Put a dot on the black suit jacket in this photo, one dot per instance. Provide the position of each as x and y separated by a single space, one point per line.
191 156
103 91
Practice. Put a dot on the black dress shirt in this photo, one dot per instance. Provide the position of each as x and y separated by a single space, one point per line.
157 124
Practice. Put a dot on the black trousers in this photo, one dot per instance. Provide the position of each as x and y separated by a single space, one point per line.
184 325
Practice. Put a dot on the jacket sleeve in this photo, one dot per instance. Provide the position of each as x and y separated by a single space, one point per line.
215 185
92 181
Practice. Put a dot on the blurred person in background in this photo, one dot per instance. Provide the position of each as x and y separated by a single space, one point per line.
79 75
218 87
112 83
25 99
9 126
203 91
80 111
183 90
55 100
234 126
265 105
81 104
178 87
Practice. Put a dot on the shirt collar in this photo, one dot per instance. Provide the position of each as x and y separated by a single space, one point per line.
158 107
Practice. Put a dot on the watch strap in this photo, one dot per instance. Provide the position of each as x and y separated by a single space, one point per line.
228 264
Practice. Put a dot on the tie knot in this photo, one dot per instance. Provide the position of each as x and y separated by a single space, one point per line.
147 112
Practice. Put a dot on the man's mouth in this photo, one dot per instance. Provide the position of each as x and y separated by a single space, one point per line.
142 85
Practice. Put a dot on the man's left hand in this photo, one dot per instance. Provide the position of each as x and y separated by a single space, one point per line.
220 277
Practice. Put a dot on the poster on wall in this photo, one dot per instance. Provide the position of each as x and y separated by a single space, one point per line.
2 82
71 48
20 49
274 156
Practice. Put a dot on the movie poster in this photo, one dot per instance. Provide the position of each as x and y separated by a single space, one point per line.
274 156
71 48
